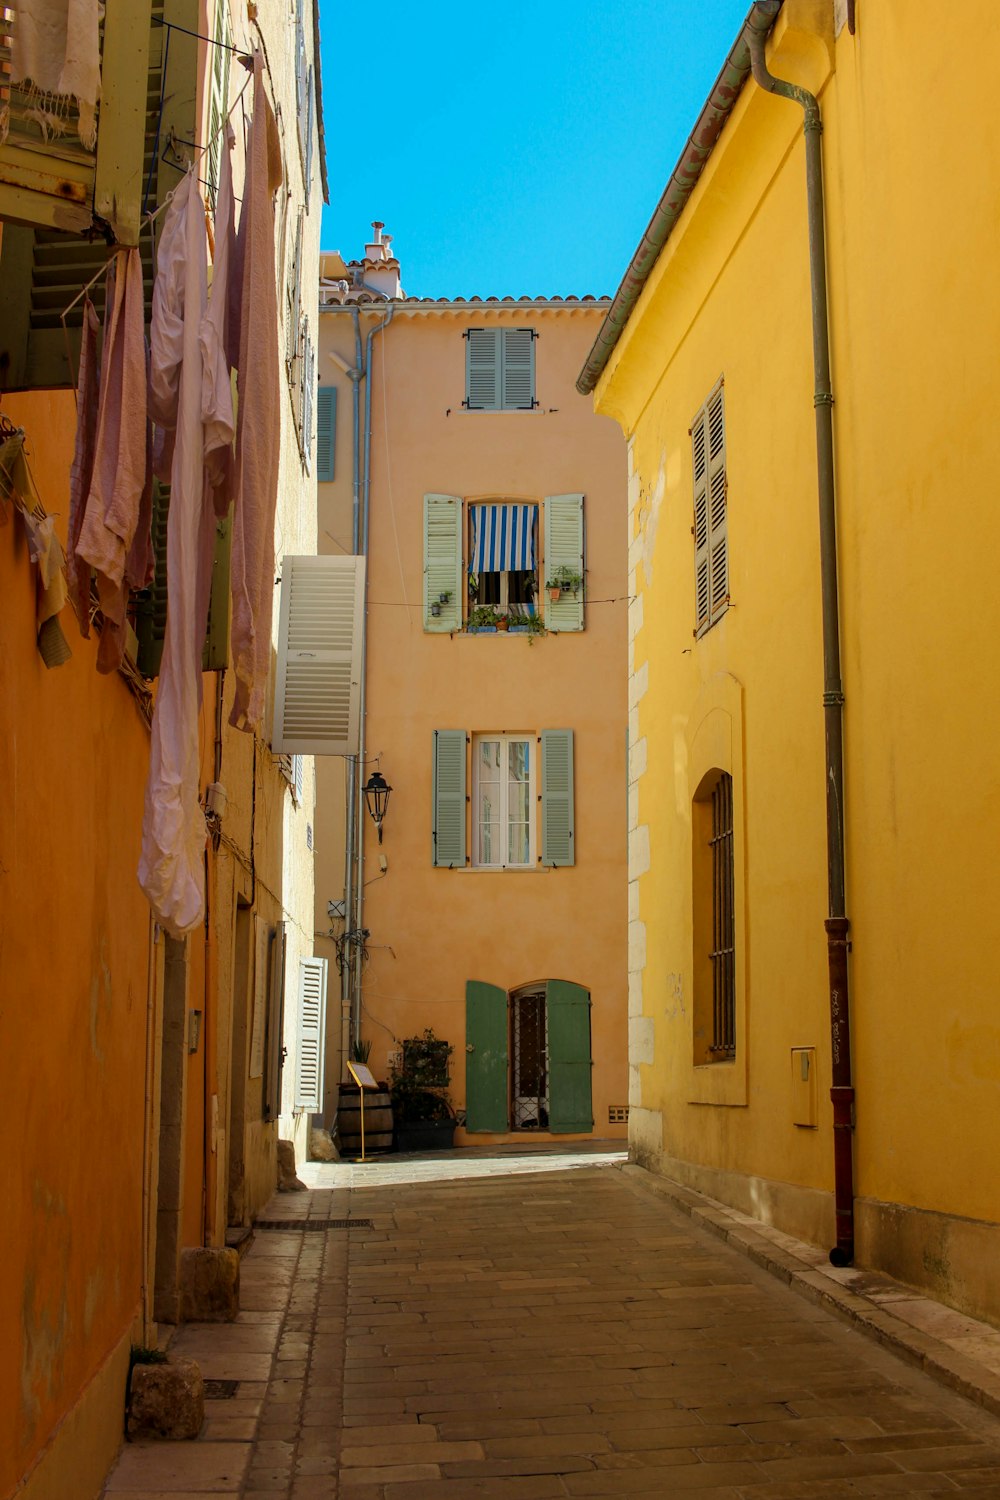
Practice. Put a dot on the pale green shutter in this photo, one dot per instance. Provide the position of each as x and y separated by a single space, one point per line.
571 1108
483 379
448 831
218 99
443 561
486 1105
517 369
711 540
326 433
317 687
309 1052
558 846
564 549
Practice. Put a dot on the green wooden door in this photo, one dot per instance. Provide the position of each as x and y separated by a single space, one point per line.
570 1100
485 1057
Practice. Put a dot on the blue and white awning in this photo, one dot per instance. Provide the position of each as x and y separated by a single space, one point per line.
503 538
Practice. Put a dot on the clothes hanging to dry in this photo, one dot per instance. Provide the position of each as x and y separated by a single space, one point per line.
258 430
56 53
216 382
87 393
44 548
171 870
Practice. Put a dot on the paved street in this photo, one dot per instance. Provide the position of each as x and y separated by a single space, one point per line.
519 1333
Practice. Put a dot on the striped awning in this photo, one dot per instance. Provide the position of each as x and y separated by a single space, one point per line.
503 538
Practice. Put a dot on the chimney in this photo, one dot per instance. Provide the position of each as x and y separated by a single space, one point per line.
374 250
381 269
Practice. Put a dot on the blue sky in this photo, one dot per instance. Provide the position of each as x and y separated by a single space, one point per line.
516 149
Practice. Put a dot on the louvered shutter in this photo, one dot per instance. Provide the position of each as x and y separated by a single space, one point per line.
293 304
310 115
483 380
518 369
448 829
557 797
486 1087
711 539
218 100
310 1049
443 561
274 1034
318 681
151 603
326 433
564 549
571 1108
297 777
308 385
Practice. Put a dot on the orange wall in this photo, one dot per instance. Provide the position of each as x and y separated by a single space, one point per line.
432 929
74 953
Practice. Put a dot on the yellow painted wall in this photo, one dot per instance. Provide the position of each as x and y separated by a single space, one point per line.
915 328
432 929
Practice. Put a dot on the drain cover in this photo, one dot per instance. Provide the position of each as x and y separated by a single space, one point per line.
220 1390
297 1226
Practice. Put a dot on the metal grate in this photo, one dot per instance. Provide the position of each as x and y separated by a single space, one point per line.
617 1114
221 1390
529 1024
297 1226
723 921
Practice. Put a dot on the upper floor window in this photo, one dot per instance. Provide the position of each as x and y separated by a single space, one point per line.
500 369
503 548
503 826
711 542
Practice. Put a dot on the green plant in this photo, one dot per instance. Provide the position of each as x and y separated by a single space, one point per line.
565 578
482 617
419 1084
533 624
361 1050
144 1354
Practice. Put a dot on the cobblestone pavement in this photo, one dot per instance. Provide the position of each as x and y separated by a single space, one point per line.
527 1333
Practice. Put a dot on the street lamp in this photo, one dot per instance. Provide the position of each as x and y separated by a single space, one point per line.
377 791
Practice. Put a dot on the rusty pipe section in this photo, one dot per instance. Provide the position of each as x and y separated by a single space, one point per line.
837 924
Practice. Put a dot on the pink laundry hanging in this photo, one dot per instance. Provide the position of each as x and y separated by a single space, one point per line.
216 383
87 393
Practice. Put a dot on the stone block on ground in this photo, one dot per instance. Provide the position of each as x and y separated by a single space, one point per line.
288 1182
321 1147
209 1285
166 1401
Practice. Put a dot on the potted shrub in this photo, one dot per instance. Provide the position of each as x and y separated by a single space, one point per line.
564 580
485 617
422 1110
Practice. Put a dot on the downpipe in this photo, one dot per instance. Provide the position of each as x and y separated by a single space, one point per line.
346 972
837 925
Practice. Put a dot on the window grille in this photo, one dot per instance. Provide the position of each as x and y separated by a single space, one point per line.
723 921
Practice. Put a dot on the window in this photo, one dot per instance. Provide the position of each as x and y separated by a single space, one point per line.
713 873
503 802
502 550
711 545
500 369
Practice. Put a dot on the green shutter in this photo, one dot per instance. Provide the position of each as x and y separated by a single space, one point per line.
517 369
483 380
571 1108
486 1105
558 846
326 432
443 561
564 549
448 833
151 603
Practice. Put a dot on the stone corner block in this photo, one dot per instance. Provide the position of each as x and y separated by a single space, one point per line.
166 1401
209 1285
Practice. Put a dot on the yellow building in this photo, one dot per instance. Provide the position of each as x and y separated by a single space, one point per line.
145 1093
492 904
748 672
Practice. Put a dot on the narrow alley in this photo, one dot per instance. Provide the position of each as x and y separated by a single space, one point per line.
538 1326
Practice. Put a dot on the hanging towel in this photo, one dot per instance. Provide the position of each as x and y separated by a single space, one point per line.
56 51
259 417
171 870
87 392
216 381
119 470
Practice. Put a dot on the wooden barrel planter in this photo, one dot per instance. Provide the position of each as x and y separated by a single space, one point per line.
378 1122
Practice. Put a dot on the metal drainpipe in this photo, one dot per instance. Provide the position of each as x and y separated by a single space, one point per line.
360 834
356 376
837 924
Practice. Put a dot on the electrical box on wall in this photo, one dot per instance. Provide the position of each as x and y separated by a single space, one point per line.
804 1087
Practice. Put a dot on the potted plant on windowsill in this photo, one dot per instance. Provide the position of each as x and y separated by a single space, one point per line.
422 1110
564 580
483 618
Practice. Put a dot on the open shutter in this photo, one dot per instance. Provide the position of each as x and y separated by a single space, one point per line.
699 454
317 691
564 549
558 846
443 561
310 118
711 540
326 432
485 1057
218 97
518 369
309 1051
274 1049
571 1107
448 831
307 396
483 381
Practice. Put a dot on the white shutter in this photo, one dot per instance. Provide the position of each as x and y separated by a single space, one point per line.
443 561
309 1050
564 549
518 386
297 777
317 689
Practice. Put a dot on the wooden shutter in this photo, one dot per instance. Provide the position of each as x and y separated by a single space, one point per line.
151 603
297 778
486 1089
711 539
311 1037
307 169
448 831
571 1106
326 433
564 549
517 369
218 98
483 380
558 846
293 305
443 561
307 394
317 692
274 1050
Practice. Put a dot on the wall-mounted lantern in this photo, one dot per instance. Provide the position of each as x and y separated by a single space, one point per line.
377 791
